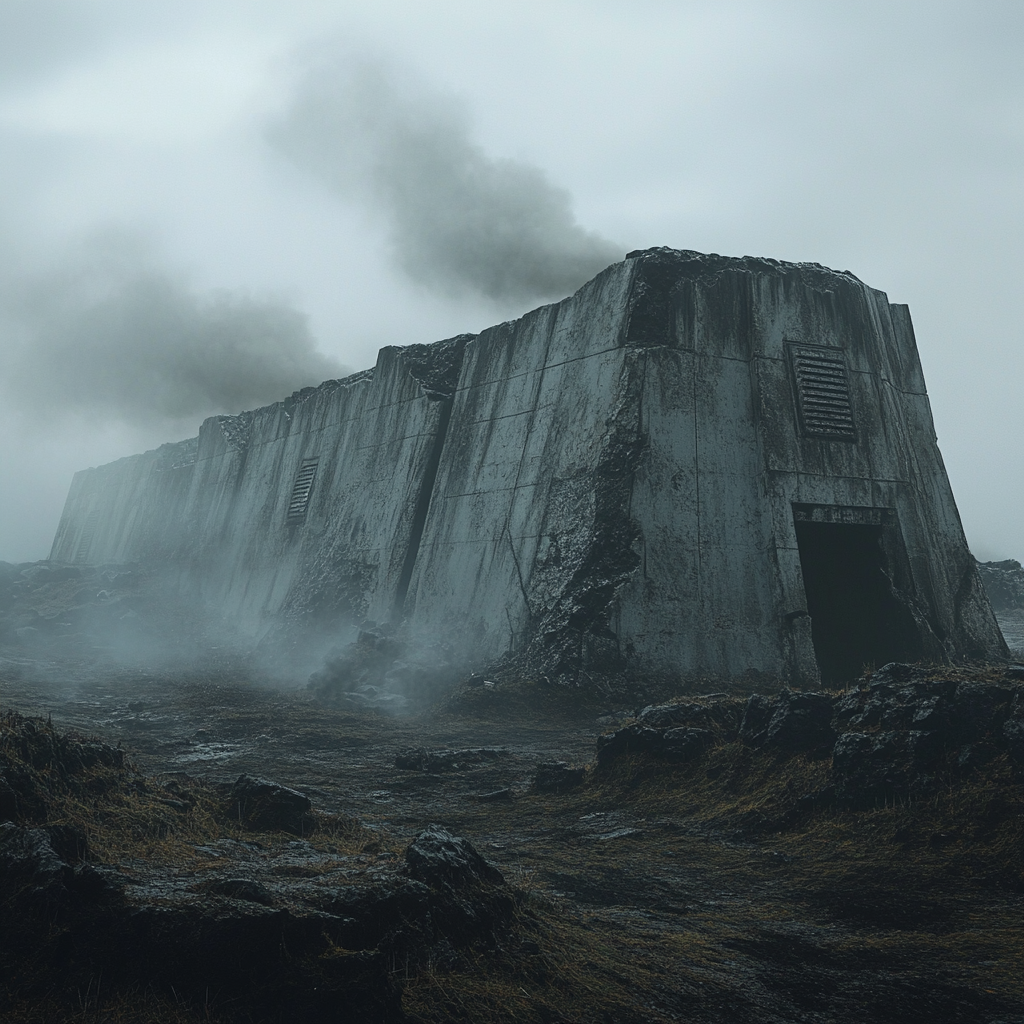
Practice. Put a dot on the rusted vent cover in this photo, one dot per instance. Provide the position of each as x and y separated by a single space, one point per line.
823 392
302 490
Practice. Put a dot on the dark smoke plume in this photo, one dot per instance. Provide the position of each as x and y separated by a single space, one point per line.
110 334
460 221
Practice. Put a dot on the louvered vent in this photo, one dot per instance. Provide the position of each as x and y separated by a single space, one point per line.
302 490
92 520
823 392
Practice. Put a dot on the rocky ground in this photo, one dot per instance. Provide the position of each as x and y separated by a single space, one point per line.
186 842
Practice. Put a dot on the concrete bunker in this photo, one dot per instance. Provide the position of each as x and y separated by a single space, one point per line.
695 467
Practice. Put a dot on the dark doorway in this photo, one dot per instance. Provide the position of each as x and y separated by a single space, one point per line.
856 620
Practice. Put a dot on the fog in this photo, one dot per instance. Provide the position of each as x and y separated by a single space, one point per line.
205 206
458 220
109 334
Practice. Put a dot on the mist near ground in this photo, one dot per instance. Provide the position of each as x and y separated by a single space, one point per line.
295 184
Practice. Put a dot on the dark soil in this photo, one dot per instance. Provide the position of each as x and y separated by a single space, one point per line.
708 889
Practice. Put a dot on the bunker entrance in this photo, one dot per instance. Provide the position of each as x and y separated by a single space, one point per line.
856 619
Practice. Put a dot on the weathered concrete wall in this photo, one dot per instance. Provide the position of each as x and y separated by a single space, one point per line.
215 509
619 480
611 482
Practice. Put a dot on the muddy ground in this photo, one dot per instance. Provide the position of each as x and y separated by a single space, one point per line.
658 906
706 920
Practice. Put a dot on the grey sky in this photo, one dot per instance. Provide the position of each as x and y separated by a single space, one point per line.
181 199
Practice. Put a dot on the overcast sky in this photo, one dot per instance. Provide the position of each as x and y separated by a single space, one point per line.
205 205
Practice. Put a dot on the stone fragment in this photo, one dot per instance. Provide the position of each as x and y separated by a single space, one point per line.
436 857
266 806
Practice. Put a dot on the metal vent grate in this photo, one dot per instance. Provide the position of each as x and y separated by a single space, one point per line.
823 392
302 490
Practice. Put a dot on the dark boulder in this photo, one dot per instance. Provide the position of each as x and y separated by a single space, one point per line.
905 732
801 721
266 806
953 713
790 721
469 901
436 857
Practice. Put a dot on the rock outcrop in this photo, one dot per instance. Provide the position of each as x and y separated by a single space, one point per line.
896 736
1004 584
